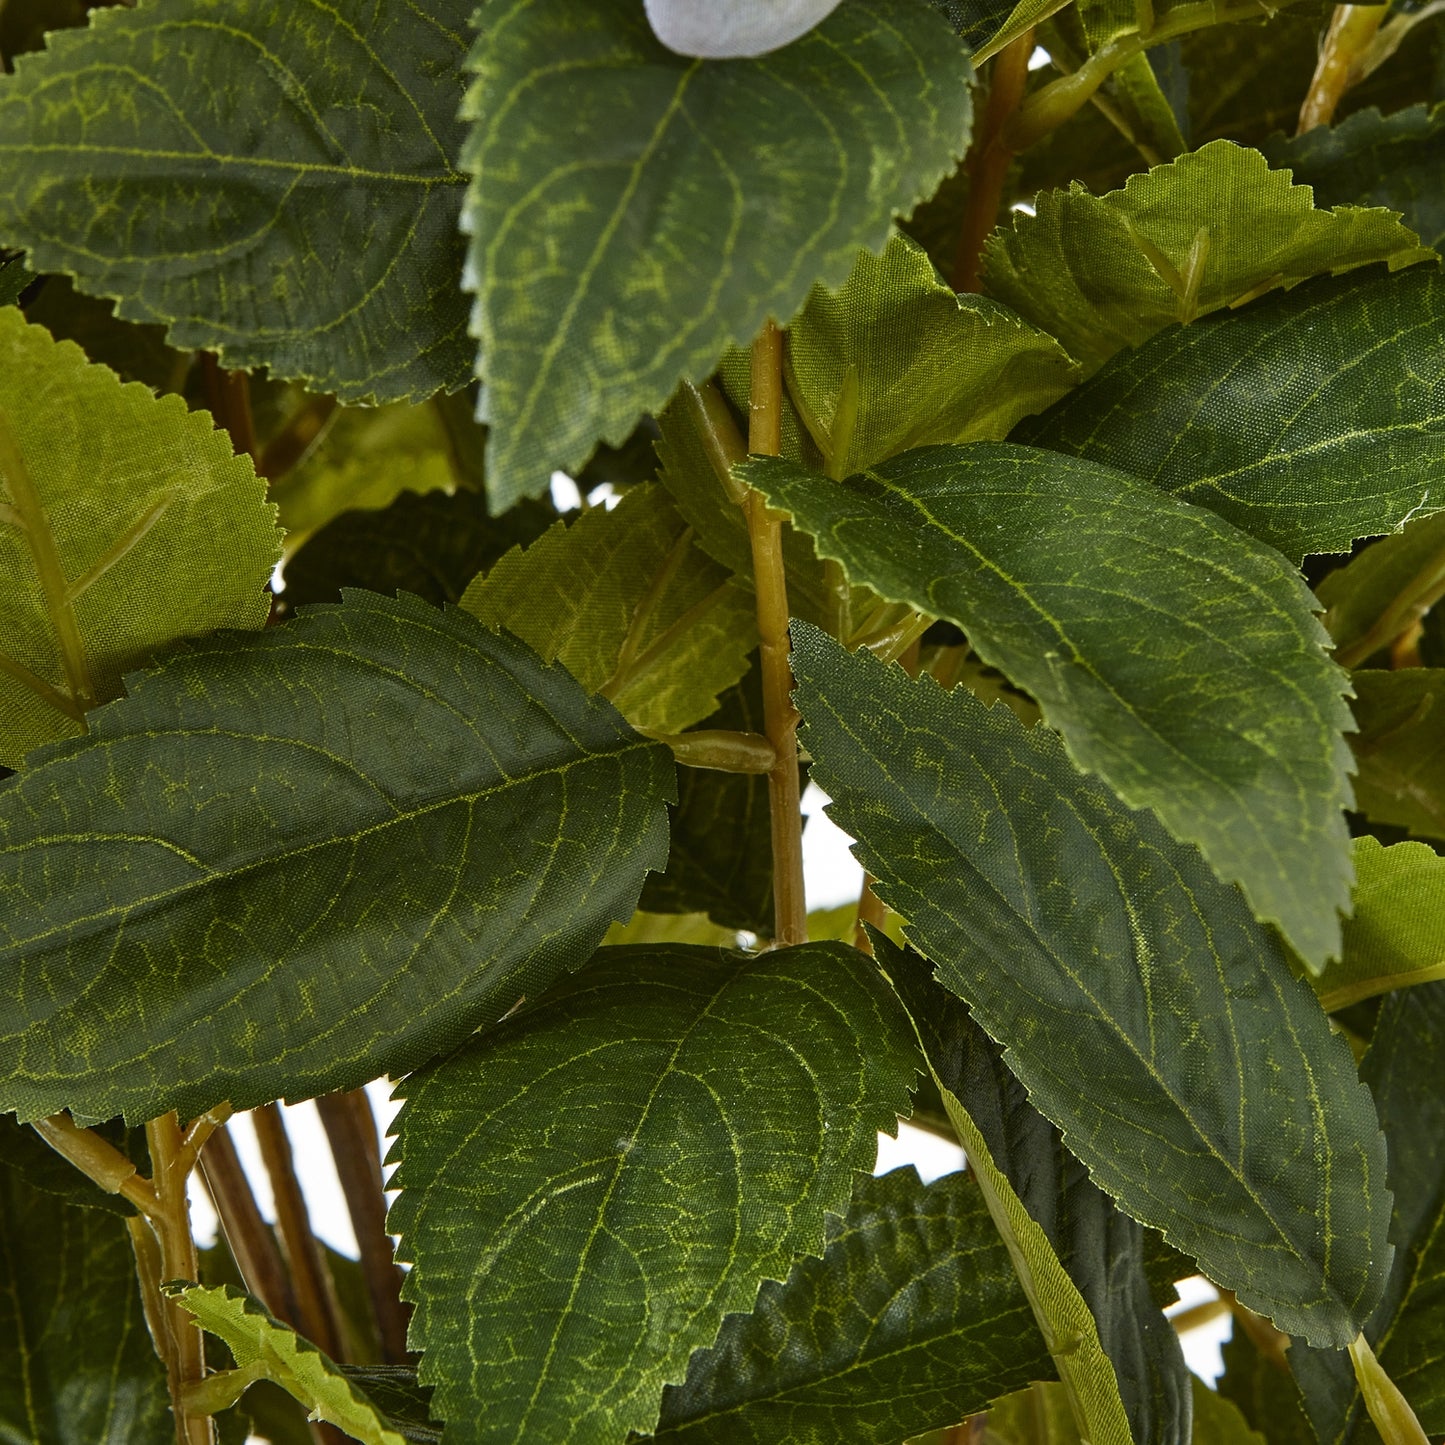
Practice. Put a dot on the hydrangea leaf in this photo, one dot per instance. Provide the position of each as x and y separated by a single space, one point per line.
280 189
79 1366
631 606
912 1318
590 1189
1223 714
125 524
1400 748
633 206
1395 935
366 833
894 359
1080 1260
1092 946
1403 1068
1211 229
1371 159
1307 420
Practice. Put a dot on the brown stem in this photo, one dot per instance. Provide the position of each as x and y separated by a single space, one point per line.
185 1361
229 396
765 531
989 159
351 1132
872 911
316 1309
252 1245
1352 28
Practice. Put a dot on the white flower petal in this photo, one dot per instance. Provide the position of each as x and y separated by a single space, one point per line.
729 29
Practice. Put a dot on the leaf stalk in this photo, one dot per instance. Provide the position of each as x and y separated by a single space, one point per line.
1352 30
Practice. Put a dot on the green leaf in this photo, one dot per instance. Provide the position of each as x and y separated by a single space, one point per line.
721 857
264 1347
367 457
644 927
1080 1260
119 537
354 887
1375 160
29 1157
15 276
1039 1415
1222 713
431 546
313 155
1218 1421
912 1318
1403 1068
1211 229
1264 1392
635 206
989 25
1395 935
894 359
1377 595
1307 420
1094 947
1400 748
587 1191
628 603
78 1364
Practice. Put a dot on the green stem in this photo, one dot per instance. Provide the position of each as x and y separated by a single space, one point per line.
1410 604
720 750
99 1161
1388 1408
1352 29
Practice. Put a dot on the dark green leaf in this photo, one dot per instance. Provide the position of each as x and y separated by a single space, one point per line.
1403 1068
587 1191
1222 713
1208 230
116 538
1068 1224
1095 948
1218 1421
912 1318
15 276
76 1363
1400 748
1264 1392
635 206
312 151
1306 420
353 887
30 1158
431 546
394 1390
721 858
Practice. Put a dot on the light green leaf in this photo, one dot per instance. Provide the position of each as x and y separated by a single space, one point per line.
367 833
278 189
1039 1415
367 457
1094 947
644 927
587 1191
912 1318
1211 229
1400 748
1218 1421
989 25
1307 420
1080 1260
1403 1068
1264 1392
1395 935
125 524
894 359
631 606
1375 160
1222 713
1377 596
266 1349
431 546
78 1367
645 211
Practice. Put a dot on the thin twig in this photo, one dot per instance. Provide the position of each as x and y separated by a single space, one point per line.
790 909
351 1132
990 158
1352 28
315 1302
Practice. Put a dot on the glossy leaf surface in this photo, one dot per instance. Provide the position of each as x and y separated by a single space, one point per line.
913 1317
353 887
1092 946
667 156
280 189
1208 230
1223 714
125 525
589 1190
1307 420
1400 748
